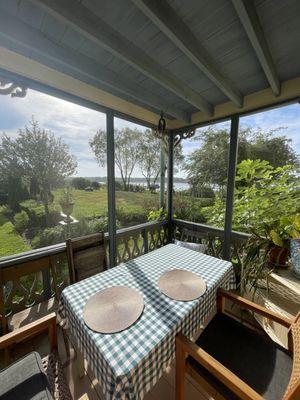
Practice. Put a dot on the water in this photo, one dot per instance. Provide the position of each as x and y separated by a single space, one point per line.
178 186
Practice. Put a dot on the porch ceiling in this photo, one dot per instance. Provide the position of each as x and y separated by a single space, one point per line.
195 60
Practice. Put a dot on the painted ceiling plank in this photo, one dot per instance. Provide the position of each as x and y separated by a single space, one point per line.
19 32
97 30
166 19
250 21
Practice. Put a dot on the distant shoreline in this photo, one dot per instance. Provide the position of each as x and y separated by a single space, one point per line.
132 180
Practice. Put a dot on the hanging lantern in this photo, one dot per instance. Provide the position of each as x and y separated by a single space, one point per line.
161 127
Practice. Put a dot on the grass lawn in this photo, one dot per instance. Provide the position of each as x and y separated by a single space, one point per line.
10 241
89 204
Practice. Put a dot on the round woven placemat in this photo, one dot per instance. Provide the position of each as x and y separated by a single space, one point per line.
113 309
179 284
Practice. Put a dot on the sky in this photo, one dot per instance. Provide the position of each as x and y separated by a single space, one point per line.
77 125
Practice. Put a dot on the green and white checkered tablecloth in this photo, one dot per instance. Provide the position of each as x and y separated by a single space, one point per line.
127 364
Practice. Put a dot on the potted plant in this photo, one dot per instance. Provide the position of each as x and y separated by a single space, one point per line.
275 240
66 202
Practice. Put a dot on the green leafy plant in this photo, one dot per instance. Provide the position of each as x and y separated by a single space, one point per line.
157 215
21 221
263 195
262 252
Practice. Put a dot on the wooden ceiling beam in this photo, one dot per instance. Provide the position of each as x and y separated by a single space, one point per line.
165 18
19 32
250 21
95 29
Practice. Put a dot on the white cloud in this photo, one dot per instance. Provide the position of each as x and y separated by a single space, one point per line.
77 125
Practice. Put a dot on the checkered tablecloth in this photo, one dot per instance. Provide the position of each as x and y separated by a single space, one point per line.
129 363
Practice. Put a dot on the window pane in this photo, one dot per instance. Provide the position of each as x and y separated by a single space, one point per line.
267 179
49 185
137 169
200 175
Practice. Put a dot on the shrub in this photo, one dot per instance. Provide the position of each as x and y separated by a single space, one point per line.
203 192
36 214
49 236
59 234
157 215
80 183
95 185
17 192
21 221
119 185
189 208
132 217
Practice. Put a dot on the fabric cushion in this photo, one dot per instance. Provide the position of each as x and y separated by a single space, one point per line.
253 357
25 380
201 248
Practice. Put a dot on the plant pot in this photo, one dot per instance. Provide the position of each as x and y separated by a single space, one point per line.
295 257
278 257
67 208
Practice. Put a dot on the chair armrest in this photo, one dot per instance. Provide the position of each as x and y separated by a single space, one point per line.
250 305
47 323
224 375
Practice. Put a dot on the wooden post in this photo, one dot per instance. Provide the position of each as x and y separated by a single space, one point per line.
170 185
162 175
233 149
111 188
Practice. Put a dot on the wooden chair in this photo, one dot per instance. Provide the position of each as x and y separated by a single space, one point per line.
233 361
25 281
31 375
86 256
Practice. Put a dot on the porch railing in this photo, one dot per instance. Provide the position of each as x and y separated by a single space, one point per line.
30 290
131 243
211 236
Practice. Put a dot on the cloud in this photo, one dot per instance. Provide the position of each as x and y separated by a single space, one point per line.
77 125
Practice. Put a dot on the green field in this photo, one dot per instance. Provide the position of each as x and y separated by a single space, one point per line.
89 204
132 209
10 241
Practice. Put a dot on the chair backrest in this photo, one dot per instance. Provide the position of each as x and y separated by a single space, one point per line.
26 284
194 236
86 256
293 390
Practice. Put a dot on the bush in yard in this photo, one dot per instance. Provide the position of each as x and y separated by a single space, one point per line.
202 192
189 208
21 221
80 183
132 217
59 234
37 216
95 185
119 186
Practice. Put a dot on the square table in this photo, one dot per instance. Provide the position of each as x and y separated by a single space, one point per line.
129 363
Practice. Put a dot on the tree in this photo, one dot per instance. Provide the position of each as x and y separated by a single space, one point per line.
149 159
80 183
126 151
209 164
264 195
41 159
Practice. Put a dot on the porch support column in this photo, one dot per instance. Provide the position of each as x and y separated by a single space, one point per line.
111 187
170 184
233 149
162 202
